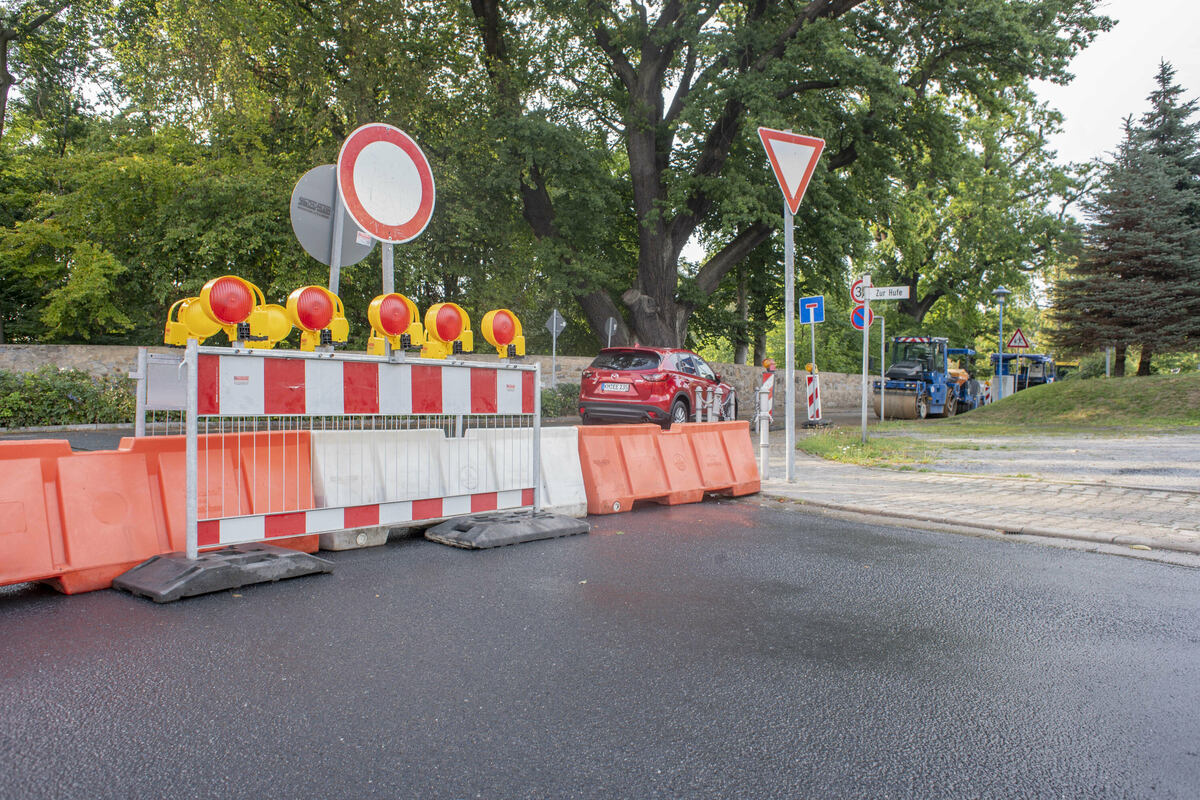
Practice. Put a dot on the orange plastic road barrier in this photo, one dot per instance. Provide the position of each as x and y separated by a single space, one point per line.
75 520
725 456
239 474
78 520
31 545
108 518
624 463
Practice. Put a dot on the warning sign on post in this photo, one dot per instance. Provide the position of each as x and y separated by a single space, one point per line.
1017 341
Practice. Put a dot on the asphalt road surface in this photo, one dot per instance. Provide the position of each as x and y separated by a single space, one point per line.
716 650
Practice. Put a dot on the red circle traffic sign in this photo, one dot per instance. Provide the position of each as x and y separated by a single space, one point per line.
385 182
856 317
858 290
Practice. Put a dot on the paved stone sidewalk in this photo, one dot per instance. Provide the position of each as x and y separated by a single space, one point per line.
1159 519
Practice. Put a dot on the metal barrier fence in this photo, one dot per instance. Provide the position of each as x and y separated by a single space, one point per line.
712 404
281 444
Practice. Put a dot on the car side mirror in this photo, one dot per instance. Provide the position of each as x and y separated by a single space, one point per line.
717 377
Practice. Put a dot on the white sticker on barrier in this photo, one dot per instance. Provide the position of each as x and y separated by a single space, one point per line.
394 513
240 385
509 499
508 391
456 506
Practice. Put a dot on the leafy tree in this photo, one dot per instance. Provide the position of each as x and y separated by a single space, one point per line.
981 214
680 85
20 23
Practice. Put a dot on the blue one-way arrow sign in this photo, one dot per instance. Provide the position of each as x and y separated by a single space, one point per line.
812 309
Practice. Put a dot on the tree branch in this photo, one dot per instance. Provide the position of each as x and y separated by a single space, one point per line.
805 86
710 275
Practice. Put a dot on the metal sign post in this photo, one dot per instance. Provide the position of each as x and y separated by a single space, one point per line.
793 159
789 354
611 327
866 329
882 365
555 325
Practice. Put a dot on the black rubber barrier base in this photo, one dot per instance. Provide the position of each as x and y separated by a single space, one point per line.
497 530
170 577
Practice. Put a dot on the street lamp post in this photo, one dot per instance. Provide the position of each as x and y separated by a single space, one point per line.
1000 294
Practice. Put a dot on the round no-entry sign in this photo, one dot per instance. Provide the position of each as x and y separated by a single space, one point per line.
385 183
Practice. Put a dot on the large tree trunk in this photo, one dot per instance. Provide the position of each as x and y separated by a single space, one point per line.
1118 369
741 336
1144 361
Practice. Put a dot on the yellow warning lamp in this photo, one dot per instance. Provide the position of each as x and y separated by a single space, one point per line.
502 330
769 364
447 331
231 304
810 368
394 320
319 313
190 322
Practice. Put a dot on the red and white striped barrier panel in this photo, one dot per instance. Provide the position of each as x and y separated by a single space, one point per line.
290 444
813 394
266 527
245 385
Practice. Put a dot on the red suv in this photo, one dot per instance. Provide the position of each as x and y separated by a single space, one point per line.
649 384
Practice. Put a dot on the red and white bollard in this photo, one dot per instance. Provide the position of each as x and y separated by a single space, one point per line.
812 384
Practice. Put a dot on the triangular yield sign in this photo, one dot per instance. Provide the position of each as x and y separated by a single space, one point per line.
1018 341
793 157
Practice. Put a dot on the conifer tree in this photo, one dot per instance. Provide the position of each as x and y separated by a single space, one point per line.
1168 132
1138 279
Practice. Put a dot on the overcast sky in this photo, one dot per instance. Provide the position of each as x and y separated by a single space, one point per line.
1115 74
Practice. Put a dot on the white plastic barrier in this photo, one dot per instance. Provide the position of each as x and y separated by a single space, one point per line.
352 468
562 475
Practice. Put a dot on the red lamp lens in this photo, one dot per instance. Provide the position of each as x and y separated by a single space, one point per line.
449 323
393 315
314 309
230 301
503 328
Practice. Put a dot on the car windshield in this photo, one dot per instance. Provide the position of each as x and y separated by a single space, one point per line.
626 360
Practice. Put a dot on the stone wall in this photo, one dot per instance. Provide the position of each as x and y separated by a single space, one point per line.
838 391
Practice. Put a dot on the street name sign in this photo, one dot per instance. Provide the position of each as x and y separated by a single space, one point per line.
888 293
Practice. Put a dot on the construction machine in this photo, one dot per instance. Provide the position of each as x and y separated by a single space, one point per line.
922 383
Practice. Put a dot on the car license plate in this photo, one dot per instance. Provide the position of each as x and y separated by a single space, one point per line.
615 387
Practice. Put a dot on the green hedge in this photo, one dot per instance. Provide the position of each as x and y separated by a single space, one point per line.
52 396
561 401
